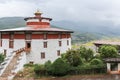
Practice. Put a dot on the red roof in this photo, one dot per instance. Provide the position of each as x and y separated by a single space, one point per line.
35 29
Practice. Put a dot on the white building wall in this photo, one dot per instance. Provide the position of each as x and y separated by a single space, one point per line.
118 66
33 20
45 20
37 47
19 43
50 52
5 43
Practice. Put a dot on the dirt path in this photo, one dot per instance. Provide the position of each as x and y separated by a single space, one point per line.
78 77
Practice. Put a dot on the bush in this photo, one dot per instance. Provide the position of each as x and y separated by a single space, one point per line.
59 68
96 62
73 58
48 67
87 69
2 57
39 70
28 65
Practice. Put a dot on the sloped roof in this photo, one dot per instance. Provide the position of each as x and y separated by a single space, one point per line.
112 60
107 42
35 29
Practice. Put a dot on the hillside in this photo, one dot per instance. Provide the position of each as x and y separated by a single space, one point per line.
82 32
11 22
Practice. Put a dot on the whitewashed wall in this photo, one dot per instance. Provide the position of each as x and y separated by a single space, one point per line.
5 43
37 47
19 43
50 51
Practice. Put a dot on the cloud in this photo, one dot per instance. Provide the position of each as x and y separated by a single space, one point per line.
73 10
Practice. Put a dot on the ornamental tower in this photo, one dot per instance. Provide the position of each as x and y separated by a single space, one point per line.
38 21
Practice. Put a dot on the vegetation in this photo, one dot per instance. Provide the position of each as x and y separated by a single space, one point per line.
59 68
107 51
79 61
86 54
2 57
72 58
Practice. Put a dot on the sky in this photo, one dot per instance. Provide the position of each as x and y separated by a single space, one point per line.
92 11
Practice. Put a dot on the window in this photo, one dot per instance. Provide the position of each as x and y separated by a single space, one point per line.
11 36
31 62
11 43
60 36
28 44
60 43
45 36
67 42
42 55
45 44
28 36
58 52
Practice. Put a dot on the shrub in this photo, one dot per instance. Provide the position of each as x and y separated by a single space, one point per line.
39 70
96 62
59 68
2 57
48 67
73 58
28 65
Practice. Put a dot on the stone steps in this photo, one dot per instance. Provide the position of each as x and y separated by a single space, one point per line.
3 78
11 65
13 62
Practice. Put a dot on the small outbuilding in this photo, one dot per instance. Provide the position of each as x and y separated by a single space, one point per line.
113 65
100 43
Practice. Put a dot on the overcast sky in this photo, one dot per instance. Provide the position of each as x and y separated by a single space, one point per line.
73 10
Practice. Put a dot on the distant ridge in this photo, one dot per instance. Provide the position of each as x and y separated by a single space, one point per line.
83 31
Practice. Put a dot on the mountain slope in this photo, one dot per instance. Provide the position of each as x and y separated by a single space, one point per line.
11 22
83 31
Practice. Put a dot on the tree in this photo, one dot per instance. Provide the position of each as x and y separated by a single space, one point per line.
59 67
86 54
108 52
73 58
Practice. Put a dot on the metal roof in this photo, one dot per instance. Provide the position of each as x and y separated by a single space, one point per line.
112 60
35 29
107 42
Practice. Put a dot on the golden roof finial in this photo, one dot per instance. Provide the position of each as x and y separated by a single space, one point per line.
38 12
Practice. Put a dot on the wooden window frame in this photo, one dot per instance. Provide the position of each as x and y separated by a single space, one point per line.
67 42
58 53
42 55
60 35
11 36
45 36
60 43
45 44
11 44
28 36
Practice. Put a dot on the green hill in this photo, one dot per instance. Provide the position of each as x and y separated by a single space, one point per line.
82 32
